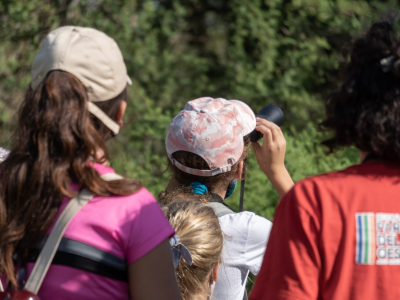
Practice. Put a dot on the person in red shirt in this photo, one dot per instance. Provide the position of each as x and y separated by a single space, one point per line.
337 235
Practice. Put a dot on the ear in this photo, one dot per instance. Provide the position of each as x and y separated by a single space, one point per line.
120 113
238 174
214 274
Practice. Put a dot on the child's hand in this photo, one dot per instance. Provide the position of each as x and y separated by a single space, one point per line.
271 156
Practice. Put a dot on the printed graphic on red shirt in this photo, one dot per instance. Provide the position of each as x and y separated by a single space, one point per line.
378 238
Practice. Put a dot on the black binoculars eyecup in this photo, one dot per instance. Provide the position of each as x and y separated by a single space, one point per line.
270 113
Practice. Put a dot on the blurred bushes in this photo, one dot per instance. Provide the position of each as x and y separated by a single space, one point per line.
285 52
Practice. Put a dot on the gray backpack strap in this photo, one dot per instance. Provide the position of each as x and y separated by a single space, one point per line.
220 209
53 241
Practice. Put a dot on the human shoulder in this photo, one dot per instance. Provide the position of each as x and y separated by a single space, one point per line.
136 220
246 237
139 199
243 218
245 224
312 193
322 179
340 177
135 201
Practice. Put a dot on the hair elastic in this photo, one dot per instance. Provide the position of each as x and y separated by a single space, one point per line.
199 188
179 250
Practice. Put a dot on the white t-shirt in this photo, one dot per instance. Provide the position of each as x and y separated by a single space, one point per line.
245 241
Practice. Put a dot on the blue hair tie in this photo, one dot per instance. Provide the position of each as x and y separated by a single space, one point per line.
199 188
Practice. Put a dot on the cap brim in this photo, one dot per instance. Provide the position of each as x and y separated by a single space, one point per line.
95 110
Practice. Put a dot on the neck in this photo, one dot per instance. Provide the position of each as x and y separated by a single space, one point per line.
363 155
220 191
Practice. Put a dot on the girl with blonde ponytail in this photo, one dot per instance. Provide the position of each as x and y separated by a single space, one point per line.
197 230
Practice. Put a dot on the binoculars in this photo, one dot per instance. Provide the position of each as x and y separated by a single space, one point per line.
270 113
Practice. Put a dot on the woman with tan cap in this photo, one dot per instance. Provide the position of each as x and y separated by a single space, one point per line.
115 247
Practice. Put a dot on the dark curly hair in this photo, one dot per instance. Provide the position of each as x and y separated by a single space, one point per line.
365 112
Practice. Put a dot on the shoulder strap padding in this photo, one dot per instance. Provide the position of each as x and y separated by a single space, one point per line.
53 241
220 209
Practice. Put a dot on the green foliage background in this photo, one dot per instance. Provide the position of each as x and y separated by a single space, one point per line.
284 52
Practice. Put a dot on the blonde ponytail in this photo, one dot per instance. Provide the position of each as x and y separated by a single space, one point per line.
198 229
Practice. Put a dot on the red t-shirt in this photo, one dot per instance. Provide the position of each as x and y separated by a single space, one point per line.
336 236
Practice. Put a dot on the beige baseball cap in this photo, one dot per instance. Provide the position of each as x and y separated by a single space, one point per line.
90 55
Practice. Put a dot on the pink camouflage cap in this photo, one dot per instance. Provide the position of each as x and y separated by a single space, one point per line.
214 130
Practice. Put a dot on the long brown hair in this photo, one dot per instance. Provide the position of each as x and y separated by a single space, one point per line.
53 145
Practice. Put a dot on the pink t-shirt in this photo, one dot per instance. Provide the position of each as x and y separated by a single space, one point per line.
126 226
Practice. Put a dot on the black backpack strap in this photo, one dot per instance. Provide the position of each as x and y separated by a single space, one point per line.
84 257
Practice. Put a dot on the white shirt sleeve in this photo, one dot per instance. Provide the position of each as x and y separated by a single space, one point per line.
246 236
259 229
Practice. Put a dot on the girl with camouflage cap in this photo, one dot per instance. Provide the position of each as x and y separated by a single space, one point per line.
206 145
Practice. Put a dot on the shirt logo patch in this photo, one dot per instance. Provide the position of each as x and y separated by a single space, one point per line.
377 238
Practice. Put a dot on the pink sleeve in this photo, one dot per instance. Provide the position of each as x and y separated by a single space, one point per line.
148 229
